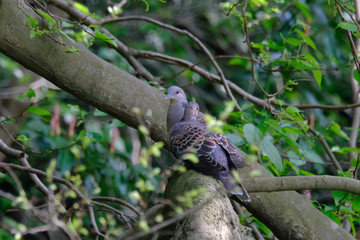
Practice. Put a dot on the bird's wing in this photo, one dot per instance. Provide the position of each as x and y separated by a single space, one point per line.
201 118
191 138
235 158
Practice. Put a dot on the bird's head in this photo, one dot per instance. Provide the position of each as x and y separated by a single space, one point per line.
176 95
191 111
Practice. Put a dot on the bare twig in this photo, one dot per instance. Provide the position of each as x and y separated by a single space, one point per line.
111 209
354 49
185 33
257 101
232 7
119 201
255 230
350 14
351 41
93 222
327 149
247 41
10 152
201 72
121 47
357 165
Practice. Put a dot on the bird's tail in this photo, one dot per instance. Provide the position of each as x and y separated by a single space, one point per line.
235 189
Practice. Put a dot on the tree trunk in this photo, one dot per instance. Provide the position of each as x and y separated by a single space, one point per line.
213 216
288 214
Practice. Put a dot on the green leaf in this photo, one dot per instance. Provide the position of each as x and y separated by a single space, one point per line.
356 75
294 158
32 33
105 38
95 136
304 8
31 93
39 111
147 5
65 161
337 130
311 59
82 8
65 35
306 39
312 156
318 76
237 61
66 24
338 195
52 22
293 110
72 49
33 22
99 113
235 139
252 134
270 151
356 204
23 138
349 26
293 41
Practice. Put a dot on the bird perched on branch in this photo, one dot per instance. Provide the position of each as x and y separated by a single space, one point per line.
190 136
178 101
175 113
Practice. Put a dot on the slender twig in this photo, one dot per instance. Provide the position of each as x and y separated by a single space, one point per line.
176 218
185 33
321 106
357 165
327 149
93 222
351 41
111 209
232 7
201 72
354 49
247 41
260 102
117 200
69 8
254 228
10 152
350 14
7 195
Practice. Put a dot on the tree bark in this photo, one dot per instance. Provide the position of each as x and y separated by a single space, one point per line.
213 216
288 214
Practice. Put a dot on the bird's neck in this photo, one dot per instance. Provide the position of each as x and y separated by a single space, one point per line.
175 113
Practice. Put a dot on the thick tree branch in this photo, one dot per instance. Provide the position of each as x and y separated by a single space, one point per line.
302 183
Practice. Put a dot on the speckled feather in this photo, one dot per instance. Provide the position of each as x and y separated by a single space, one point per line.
178 102
216 154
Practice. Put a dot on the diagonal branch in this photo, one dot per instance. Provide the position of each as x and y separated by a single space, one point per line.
189 35
121 47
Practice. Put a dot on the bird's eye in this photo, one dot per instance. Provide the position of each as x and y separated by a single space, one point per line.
177 92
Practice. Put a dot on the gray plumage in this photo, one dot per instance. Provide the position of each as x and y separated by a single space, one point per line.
178 101
190 136
175 113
